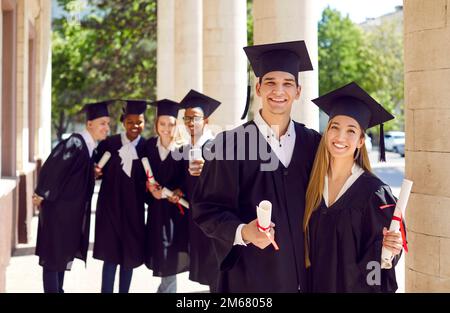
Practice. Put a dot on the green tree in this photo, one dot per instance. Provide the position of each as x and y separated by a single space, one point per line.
386 39
373 60
110 53
70 77
344 55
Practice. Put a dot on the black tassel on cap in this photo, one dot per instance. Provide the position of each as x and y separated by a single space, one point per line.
247 102
382 147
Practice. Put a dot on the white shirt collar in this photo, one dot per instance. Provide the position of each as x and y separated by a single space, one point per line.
267 131
128 153
283 148
90 142
207 135
163 151
125 140
356 172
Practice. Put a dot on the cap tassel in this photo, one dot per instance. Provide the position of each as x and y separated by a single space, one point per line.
382 147
247 102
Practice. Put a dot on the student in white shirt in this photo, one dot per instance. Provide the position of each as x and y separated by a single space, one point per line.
347 206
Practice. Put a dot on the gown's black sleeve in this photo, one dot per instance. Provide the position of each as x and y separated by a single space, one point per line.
215 208
56 170
378 214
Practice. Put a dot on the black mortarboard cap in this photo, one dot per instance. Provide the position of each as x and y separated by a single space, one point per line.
96 109
291 57
134 106
353 101
166 107
196 99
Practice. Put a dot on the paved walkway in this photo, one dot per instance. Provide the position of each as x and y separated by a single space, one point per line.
25 275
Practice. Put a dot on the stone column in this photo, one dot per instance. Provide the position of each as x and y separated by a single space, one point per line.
224 61
165 54
44 77
289 20
22 86
427 109
188 47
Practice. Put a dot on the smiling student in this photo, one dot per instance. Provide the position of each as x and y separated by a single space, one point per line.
347 206
120 215
64 191
167 225
228 191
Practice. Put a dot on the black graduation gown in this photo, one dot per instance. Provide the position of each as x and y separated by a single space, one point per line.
120 215
167 228
66 182
227 195
348 235
203 263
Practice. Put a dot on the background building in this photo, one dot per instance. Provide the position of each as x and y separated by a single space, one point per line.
25 75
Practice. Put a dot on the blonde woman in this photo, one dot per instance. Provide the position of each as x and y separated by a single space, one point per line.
347 206
167 225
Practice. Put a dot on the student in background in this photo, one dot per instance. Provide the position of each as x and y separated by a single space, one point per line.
120 215
64 191
166 232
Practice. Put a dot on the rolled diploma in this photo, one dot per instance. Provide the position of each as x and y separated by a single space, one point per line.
105 158
148 171
386 255
264 215
169 193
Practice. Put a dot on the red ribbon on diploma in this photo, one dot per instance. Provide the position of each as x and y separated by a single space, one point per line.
402 230
180 207
266 231
150 177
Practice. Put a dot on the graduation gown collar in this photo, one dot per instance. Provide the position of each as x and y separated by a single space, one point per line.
357 171
90 142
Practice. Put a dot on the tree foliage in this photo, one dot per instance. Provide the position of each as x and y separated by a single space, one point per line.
110 52
372 58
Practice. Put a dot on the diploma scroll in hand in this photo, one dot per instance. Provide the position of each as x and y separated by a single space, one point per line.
105 158
264 215
169 193
396 222
148 171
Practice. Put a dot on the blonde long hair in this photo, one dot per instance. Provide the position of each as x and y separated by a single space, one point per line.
314 192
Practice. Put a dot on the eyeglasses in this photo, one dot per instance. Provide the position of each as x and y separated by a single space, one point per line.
195 119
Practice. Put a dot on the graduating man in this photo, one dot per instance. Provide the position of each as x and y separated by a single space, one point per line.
64 190
203 265
269 158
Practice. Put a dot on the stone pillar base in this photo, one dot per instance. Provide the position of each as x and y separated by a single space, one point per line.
25 213
7 229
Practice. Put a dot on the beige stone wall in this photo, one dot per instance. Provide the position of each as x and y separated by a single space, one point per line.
22 85
288 20
1 82
427 95
15 192
44 80
6 226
